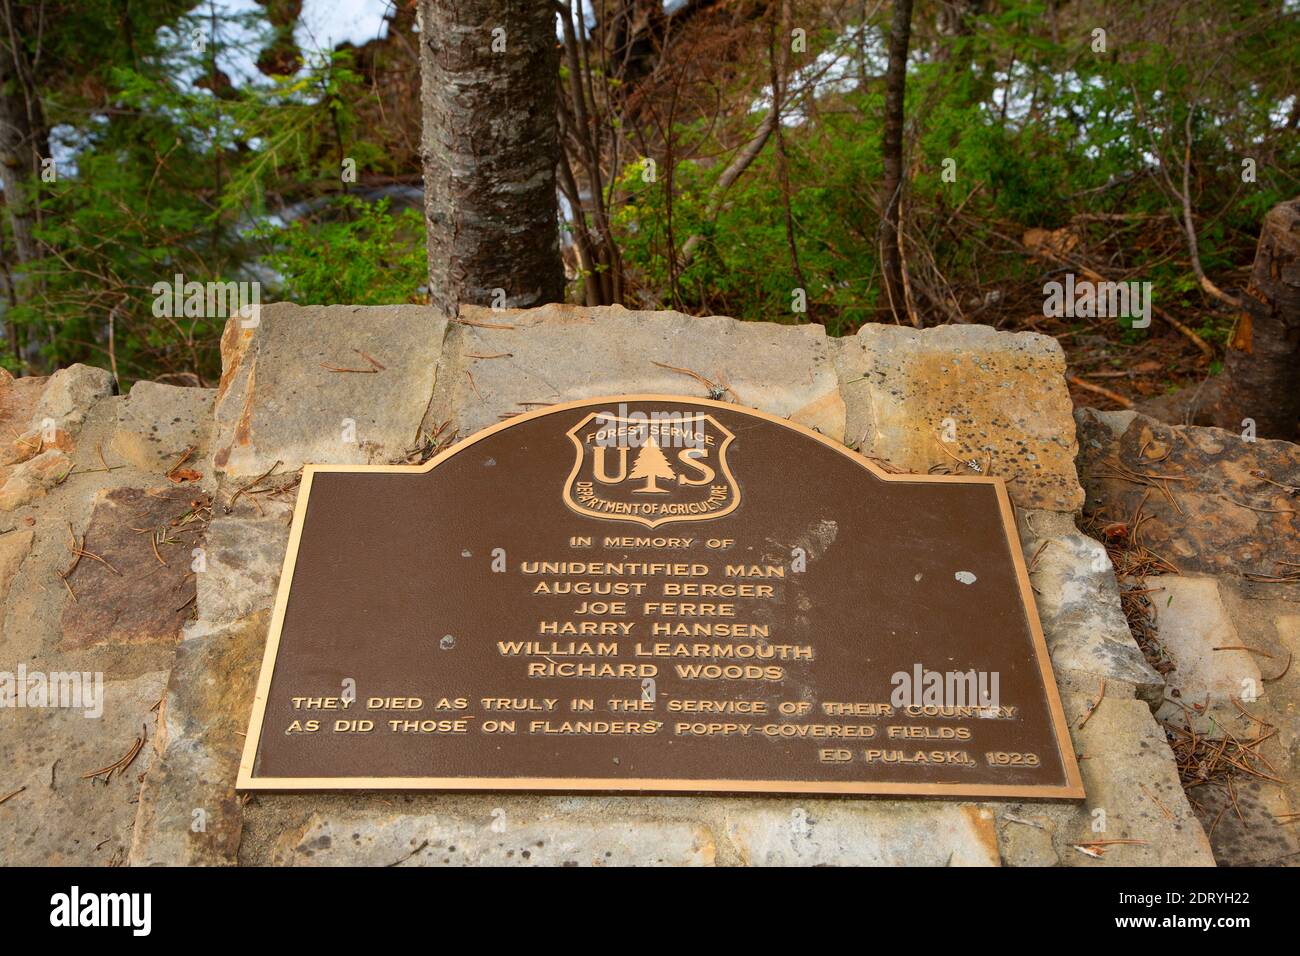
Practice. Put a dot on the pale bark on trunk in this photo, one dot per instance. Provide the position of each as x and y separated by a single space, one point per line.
891 258
490 145
23 144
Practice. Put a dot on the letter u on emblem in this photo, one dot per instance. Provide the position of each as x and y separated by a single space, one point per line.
598 465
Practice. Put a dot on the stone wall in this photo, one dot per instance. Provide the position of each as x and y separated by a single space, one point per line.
95 556
390 384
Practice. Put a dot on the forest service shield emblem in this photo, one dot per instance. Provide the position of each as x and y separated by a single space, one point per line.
651 468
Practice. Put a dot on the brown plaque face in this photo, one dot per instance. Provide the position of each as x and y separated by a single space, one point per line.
655 593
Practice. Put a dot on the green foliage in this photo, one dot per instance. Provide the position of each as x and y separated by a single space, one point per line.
1075 145
369 258
172 178
178 171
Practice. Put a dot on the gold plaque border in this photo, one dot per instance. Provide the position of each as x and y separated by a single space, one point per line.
646 522
246 781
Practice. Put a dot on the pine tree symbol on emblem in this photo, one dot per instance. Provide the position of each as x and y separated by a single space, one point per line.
651 464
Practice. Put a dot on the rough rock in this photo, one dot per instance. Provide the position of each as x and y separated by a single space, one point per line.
157 424
1195 629
504 362
34 441
1261 835
33 478
69 395
1288 626
64 403
1264 620
1036 834
1218 504
999 397
439 840
1246 816
278 400
244 553
1079 607
132 594
18 398
1130 775
14 548
189 814
60 818
1133 794
1221 509
1116 421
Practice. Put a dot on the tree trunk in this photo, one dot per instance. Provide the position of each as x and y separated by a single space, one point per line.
891 259
1261 375
24 142
490 146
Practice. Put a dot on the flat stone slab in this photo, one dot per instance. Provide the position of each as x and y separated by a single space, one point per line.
928 399
1134 794
1261 835
325 384
1127 765
1218 508
134 593
872 834
499 363
1130 776
401 839
277 403
1196 630
557 353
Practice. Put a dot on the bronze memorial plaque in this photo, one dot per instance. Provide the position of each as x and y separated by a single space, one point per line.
658 594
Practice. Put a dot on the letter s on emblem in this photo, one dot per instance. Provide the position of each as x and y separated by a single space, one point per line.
687 456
